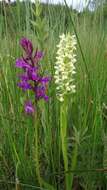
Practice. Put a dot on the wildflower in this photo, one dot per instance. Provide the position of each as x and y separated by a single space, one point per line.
38 55
41 92
65 66
32 78
29 109
21 63
24 85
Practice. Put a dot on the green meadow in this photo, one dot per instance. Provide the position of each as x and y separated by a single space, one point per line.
65 146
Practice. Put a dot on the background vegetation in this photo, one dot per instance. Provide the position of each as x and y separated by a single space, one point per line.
87 114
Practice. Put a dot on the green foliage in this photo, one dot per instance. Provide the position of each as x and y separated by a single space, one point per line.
31 154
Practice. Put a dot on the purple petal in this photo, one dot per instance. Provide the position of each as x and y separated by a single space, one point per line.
46 98
27 46
32 74
38 55
20 63
45 79
24 77
29 109
35 76
24 85
41 93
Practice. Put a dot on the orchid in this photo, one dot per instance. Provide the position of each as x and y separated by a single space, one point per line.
65 66
32 77
29 108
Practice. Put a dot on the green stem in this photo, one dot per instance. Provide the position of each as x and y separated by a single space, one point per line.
63 134
36 124
41 181
73 164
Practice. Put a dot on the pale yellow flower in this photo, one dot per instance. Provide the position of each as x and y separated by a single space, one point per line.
65 66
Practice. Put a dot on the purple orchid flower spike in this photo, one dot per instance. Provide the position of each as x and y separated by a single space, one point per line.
27 46
32 78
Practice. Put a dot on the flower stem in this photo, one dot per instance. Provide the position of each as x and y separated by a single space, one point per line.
73 164
63 134
36 124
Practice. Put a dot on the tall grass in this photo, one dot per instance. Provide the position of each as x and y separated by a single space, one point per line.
30 152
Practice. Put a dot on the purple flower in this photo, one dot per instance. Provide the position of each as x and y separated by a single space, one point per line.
40 92
27 46
38 55
29 109
23 77
32 77
20 63
35 76
24 85
45 79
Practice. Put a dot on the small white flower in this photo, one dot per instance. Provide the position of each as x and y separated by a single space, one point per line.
65 66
